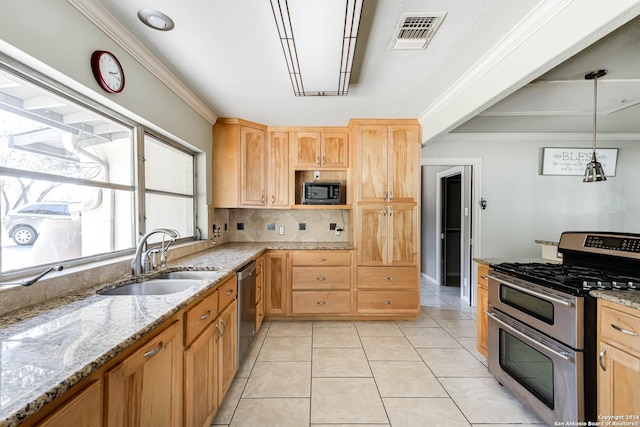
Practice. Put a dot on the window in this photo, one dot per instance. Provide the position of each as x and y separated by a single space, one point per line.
69 190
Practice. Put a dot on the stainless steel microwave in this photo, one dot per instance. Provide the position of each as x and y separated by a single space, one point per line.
322 193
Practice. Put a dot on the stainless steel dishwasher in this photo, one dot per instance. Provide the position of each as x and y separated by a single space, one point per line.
246 307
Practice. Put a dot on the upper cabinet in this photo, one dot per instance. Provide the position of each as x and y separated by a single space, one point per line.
388 157
320 149
250 166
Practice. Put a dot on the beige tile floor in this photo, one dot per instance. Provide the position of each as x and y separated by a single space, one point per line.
425 372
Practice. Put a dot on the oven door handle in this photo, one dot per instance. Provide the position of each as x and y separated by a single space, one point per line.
521 335
530 292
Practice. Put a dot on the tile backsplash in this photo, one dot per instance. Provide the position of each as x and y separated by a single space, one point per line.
266 225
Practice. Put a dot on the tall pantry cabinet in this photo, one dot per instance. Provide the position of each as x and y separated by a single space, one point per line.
387 211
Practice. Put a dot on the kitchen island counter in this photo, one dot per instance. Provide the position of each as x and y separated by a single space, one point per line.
50 347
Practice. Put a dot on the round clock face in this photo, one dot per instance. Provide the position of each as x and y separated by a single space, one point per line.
107 71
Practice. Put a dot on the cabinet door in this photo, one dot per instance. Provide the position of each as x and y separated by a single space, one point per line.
278 170
277 285
402 239
227 348
259 293
372 231
144 389
84 409
335 150
201 379
372 163
305 149
483 327
619 382
252 166
403 171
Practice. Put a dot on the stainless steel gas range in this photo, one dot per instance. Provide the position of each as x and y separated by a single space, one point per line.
542 322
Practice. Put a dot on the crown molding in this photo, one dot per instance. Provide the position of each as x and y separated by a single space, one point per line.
557 136
106 22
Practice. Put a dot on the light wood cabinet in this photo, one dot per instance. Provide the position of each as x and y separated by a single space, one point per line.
84 409
320 149
259 293
387 234
227 326
618 359
145 388
388 159
278 170
386 219
483 304
250 168
321 282
201 379
277 285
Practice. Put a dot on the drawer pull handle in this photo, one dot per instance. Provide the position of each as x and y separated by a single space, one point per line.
207 314
258 288
318 160
321 278
323 160
154 351
321 259
387 302
388 278
224 328
229 292
600 359
273 199
219 332
321 302
260 316
624 331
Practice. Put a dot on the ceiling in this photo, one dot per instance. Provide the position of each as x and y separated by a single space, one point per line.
561 100
227 53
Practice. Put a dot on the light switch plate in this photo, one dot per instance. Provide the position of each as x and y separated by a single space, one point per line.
281 230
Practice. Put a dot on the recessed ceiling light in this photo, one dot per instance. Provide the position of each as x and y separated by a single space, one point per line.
156 19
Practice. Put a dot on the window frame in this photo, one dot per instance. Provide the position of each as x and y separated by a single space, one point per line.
11 66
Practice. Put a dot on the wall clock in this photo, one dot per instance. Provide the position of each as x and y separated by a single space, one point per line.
107 71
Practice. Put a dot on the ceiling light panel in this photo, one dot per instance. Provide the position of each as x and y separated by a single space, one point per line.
318 41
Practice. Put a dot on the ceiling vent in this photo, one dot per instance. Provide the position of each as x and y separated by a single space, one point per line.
415 30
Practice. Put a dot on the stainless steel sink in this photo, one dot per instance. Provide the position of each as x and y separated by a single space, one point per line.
154 287
188 274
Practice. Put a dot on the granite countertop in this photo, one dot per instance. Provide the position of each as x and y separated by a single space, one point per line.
48 348
627 298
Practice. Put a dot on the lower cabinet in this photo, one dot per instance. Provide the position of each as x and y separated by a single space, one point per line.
82 410
210 354
618 360
141 389
277 285
227 326
388 290
259 293
483 304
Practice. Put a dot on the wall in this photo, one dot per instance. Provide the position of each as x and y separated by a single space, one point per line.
523 205
57 40
317 222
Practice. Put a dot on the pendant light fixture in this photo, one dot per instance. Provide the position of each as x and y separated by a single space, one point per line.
594 171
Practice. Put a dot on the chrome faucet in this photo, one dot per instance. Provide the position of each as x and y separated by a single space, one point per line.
140 265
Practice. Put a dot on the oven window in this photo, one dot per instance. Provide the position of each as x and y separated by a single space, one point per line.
532 369
533 306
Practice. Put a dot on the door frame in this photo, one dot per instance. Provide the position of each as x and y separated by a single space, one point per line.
476 211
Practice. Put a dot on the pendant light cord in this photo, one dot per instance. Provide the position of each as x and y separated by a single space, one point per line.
595 114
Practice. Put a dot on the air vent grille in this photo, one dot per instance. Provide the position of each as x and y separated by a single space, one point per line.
415 30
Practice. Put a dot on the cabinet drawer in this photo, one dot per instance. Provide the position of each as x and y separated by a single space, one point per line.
611 323
321 278
483 270
227 293
197 318
338 302
387 277
313 258
388 302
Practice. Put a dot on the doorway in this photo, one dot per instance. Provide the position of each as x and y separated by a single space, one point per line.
451 228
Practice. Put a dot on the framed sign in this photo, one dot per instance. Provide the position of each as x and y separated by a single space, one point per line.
573 161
